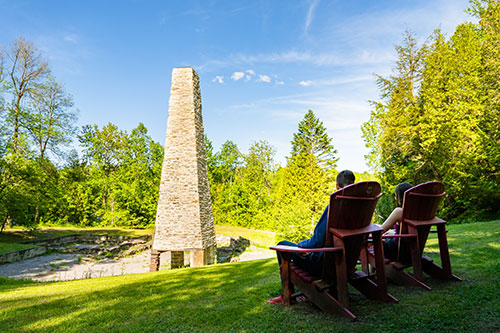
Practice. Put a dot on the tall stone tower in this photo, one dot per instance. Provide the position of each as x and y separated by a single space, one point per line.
184 220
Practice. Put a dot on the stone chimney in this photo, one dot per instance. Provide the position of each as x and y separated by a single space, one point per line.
184 220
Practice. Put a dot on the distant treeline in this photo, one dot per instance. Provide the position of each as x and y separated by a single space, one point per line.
251 190
438 119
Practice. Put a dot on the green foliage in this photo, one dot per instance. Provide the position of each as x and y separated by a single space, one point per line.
301 196
439 115
248 190
241 185
50 121
118 183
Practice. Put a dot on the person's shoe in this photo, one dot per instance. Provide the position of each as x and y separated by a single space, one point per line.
276 300
302 298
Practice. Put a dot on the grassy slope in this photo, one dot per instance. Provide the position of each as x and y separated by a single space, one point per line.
9 238
259 238
20 235
231 297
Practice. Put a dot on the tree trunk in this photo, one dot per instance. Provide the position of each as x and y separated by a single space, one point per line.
4 223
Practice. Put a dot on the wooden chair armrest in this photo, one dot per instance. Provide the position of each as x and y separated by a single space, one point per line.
370 240
287 248
399 236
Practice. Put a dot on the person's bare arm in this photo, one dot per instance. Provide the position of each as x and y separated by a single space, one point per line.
392 219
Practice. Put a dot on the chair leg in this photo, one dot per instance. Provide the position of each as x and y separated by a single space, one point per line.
365 266
416 256
341 270
379 269
435 271
400 277
286 284
445 254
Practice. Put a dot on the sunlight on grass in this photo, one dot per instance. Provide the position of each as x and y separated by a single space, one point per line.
494 245
13 247
260 238
231 297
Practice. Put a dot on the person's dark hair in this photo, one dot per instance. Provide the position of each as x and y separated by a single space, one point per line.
400 192
344 178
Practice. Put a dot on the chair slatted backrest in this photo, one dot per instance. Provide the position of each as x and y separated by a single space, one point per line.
420 204
352 208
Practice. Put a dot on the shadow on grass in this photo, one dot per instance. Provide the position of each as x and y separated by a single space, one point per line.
231 297
227 297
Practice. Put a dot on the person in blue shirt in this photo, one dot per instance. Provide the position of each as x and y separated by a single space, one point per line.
313 262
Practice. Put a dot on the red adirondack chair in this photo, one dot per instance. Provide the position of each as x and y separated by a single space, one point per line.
349 216
420 204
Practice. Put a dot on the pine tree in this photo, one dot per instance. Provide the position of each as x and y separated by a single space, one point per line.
312 138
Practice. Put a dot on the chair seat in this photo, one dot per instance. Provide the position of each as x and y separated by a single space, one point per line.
434 221
288 248
343 233
304 275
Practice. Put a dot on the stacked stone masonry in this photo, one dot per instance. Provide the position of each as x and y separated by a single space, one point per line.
184 220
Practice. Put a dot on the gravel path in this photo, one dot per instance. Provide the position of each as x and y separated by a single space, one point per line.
63 267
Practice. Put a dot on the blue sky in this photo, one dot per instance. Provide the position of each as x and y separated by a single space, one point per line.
262 64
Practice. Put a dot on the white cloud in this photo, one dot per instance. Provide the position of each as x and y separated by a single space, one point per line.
72 38
339 80
248 77
351 43
264 78
305 83
359 57
219 79
279 83
237 75
310 15
251 72
372 56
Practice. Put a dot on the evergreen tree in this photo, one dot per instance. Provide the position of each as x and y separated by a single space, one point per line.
391 131
439 115
300 198
311 138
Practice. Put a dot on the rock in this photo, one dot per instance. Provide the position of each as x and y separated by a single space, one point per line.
229 248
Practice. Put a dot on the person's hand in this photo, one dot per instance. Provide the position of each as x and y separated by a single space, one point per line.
390 232
303 255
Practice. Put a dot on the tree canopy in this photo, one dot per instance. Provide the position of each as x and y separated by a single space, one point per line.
439 113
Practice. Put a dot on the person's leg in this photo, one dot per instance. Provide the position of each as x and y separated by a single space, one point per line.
279 299
287 243
313 263
390 249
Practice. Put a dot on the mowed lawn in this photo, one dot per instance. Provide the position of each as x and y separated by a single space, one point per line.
232 297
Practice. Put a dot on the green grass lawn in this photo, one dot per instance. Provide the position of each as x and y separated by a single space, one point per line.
231 297
259 238
13 247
